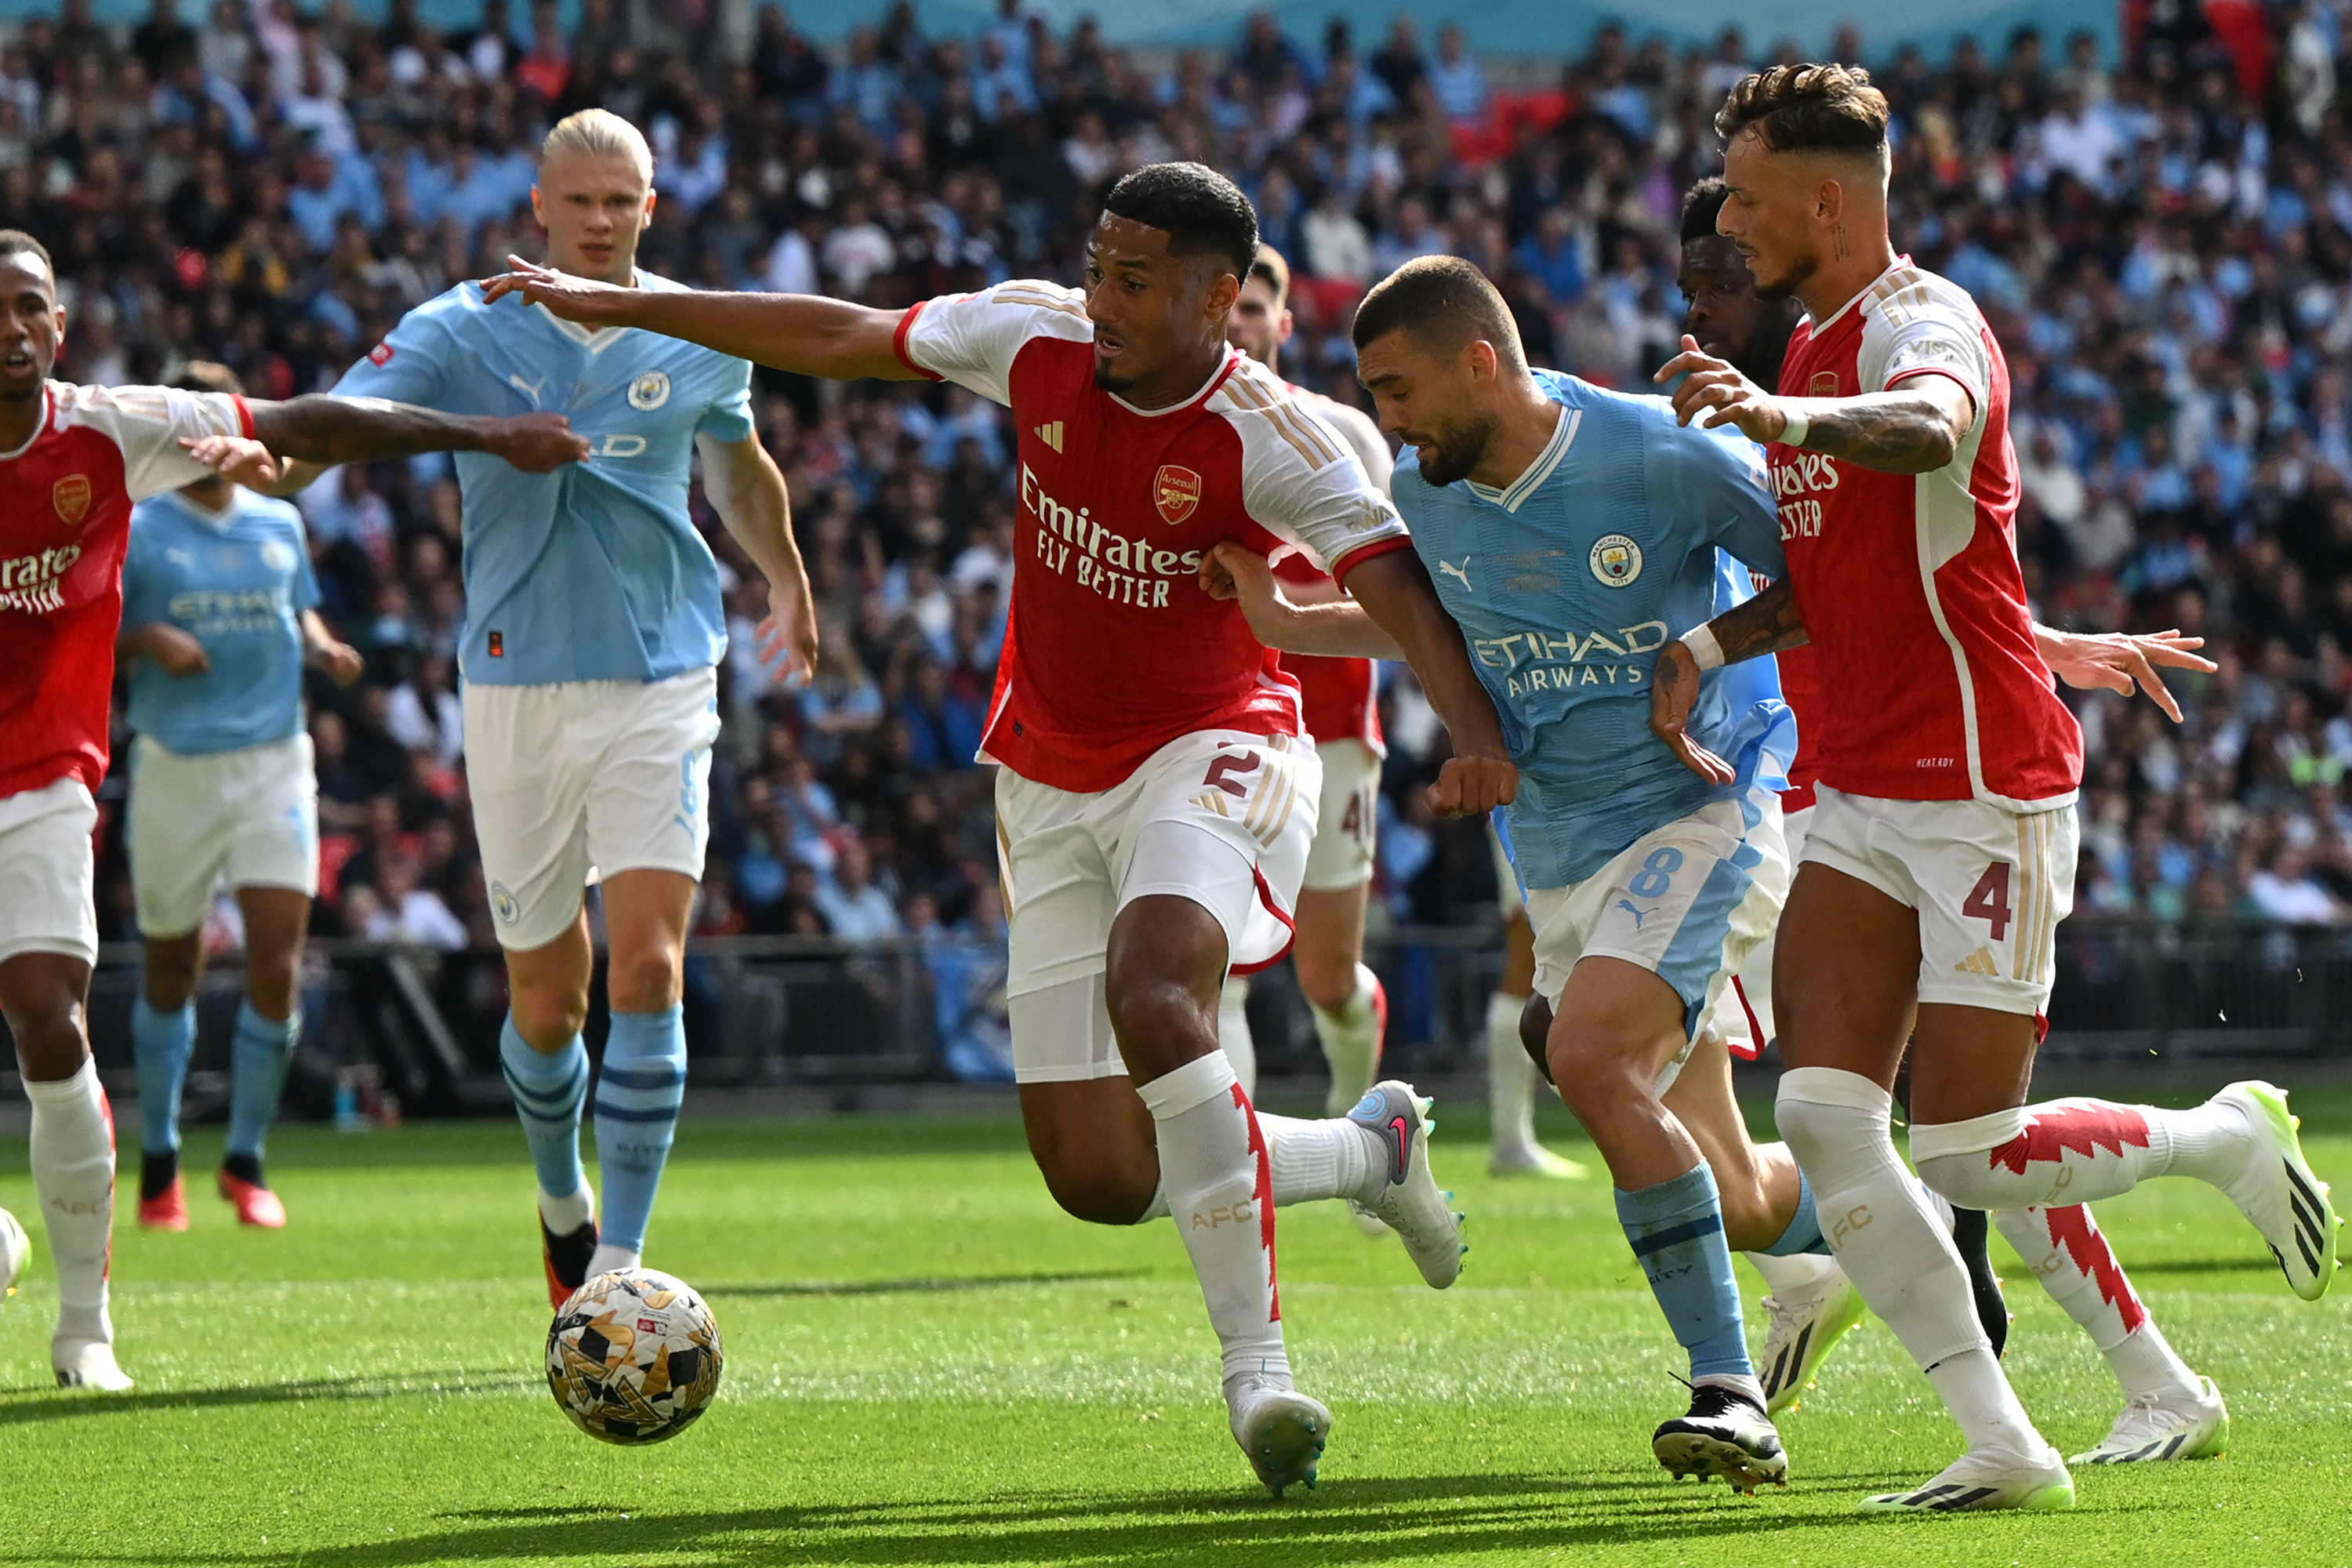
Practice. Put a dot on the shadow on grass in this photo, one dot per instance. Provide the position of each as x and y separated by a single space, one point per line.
923 1285
1400 1520
20 1405
2250 1264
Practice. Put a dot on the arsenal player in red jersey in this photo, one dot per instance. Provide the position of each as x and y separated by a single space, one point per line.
72 461
1941 855
1156 796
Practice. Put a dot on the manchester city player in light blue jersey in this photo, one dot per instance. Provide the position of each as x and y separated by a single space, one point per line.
592 630
218 619
1573 532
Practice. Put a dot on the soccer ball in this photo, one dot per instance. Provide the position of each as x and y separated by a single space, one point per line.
15 1246
634 1356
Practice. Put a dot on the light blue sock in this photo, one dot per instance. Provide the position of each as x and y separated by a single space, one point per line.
637 1097
1804 1232
548 1090
162 1042
257 1062
1676 1229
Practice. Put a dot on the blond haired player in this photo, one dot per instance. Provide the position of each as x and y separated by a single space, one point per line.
594 630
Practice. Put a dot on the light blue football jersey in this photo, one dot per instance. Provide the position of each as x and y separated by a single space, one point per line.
239 583
1568 583
594 571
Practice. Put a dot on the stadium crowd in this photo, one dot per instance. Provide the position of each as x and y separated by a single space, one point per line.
2164 243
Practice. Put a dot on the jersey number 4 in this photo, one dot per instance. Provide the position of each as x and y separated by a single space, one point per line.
1989 900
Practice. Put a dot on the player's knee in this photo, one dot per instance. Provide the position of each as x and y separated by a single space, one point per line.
270 982
1967 1181
168 982
548 1016
1596 1071
1327 980
48 1034
649 978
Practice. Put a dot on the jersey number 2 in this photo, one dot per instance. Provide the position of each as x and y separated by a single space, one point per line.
1989 900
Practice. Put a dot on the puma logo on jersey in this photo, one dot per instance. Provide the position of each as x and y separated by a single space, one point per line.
529 389
1980 961
1639 915
1051 435
1462 572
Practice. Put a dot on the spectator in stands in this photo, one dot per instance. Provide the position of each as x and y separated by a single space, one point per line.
1460 85
853 906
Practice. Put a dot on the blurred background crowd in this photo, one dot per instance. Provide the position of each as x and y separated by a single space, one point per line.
2163 241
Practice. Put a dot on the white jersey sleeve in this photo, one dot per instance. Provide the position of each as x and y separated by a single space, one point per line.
1917 332
1363 438
972 339
1299 480
147 422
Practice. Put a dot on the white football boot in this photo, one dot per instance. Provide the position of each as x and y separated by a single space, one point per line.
1532 1159
1726 1434
87 1363
1802 1327
2280 1194
1985 1479
1281 1431
2154 1427
1413 1205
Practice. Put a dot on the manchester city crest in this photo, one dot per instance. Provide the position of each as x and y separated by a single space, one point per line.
1616 560
650 390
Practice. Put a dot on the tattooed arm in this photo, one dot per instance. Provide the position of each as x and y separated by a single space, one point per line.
1913 428
1768 623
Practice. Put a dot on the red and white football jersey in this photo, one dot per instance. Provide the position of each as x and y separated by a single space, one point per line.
1931 686
65 519
1112 649
1800 689
1341 697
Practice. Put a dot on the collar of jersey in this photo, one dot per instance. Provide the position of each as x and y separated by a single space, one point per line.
1563 436
1233 361
1897 265
218 522
595 340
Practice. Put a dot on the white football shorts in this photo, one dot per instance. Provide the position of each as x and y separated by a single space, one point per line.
1989 886
578 780
1218 817
1742 1018
1347 817
49 872
249 816
1689 903
1507 902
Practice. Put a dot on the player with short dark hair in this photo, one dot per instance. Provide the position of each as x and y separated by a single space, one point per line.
220 615
73 460
1942 852
1156 800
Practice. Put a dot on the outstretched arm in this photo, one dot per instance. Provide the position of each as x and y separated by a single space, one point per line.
1334 627
320 428
1914 428
748 492
1766 624
803 333
1394 590
2120 661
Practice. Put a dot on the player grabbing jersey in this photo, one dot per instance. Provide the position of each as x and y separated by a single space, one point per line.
592 634
2169 1411
219 614
1574 531
1942 851
1156 800
73 459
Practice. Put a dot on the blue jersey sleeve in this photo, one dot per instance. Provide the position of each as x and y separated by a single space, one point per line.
729 417
1717 480
409 366
306 581
139 604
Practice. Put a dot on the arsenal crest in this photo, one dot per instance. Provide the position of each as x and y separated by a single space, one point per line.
1175 491
71 496
1824 385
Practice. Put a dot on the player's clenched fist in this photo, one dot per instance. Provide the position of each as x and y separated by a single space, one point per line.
1473 786
536 443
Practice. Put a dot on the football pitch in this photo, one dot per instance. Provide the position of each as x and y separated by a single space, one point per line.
927 1364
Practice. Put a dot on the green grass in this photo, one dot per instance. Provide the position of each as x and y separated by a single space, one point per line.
927 1364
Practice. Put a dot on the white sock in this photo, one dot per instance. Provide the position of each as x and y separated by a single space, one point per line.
2066 1251
1213 1164
1329 1158
1793 1275
1233 1032
2077 1151
563 1215
1511 1078
1158 1207
608 1258
73 1173
1891 1245
1351 1043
